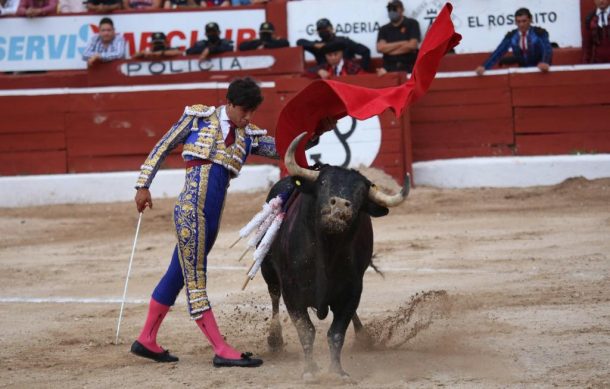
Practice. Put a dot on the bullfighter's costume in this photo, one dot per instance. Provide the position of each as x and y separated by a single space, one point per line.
214 152
211 163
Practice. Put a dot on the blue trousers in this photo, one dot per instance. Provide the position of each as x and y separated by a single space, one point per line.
197 216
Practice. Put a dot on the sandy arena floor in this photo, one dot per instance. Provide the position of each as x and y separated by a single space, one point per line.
515 282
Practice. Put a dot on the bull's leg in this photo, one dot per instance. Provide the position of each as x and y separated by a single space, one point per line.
275 339
343 313
363 338
307 335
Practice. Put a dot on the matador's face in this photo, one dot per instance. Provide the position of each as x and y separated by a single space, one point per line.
239 115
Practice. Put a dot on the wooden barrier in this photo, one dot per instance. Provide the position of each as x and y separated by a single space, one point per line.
514 113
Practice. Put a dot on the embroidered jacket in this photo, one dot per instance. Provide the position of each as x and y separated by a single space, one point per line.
199 131
538 48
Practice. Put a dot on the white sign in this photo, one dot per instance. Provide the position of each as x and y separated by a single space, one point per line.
225 64
482 23
57 42
352 144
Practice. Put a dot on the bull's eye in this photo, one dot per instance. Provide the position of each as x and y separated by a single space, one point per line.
332 201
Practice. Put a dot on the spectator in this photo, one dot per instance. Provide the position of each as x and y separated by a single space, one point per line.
103 6
215 3
398 40
141 4
213 45
530 45
173 4
159 48
71 7
335 65
596 34
34 8
8 7
267 39
327 35
105 46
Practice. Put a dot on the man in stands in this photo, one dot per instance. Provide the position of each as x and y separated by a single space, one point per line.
105 46
398 40
35 8
596 34
103 6
327 35
159 48
530 45
213 45
335 64
266 39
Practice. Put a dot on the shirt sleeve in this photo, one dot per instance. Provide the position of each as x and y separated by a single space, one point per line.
264 146
499 52
547 49
175 136
51 8
414 30
88 52
382 35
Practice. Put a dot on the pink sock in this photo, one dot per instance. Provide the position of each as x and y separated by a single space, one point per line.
148 336
207 324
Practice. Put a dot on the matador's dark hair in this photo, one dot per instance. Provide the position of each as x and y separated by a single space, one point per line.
245 93
106 21
523 12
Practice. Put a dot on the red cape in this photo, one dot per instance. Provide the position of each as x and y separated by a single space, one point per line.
324 98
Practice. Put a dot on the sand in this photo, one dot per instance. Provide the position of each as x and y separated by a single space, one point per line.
482 288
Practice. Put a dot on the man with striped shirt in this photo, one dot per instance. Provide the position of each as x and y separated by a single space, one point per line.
105 46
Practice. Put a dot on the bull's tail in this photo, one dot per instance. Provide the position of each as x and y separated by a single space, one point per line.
376 268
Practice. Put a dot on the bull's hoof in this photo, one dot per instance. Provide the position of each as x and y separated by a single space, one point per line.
276 343
309 377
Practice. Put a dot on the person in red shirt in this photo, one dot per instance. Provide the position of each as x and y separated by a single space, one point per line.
336 65
34 8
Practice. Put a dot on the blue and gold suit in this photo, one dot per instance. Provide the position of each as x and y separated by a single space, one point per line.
199 206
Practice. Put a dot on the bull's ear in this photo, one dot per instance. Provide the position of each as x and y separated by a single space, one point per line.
375 210
303 185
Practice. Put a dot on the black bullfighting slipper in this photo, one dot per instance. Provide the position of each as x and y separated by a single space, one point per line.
245 361
139 349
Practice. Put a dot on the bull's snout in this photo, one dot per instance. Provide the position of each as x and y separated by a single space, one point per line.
339 204
336 214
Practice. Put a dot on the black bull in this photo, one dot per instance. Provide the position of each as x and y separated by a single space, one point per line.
321 252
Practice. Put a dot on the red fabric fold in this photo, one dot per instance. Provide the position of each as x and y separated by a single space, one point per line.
325 98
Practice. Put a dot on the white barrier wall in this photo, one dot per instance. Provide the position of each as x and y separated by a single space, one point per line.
111 187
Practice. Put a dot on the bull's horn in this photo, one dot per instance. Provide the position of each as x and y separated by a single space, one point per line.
291 165
387 200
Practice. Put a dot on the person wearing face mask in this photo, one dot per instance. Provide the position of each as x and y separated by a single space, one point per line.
398 40
596 34
327 35
266 39
214 44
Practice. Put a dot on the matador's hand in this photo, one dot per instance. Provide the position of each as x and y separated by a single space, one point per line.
143 199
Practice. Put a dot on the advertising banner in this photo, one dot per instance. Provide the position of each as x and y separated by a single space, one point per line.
57 42
482 23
